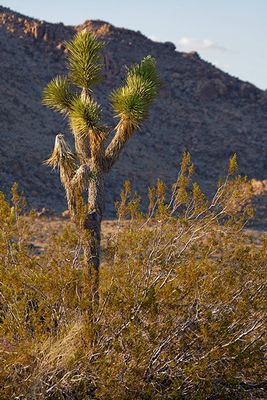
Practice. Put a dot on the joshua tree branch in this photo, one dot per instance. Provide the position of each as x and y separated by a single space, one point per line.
82 176
114 149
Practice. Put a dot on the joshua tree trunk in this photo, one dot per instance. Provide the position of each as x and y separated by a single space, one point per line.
92 226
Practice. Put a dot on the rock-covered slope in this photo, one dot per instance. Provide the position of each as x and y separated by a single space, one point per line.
200 109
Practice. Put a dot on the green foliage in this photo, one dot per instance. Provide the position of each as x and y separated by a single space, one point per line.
182 302
57 95
131 102
146 70
84 115
84 69
84 59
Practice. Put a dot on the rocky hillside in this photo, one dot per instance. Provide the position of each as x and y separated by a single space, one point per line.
200 109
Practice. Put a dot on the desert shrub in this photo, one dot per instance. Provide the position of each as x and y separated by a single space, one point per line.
182 303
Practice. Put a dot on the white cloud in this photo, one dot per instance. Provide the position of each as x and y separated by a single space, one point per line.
192 44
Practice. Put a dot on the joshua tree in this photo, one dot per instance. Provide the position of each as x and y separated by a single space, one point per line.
84 169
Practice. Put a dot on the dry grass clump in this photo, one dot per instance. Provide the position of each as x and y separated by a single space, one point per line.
182 308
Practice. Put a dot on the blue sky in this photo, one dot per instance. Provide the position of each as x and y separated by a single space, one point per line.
231 34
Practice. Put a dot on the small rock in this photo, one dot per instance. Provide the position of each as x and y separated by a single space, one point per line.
66 214
43 213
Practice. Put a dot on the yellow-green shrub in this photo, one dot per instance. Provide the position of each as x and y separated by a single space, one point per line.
182 303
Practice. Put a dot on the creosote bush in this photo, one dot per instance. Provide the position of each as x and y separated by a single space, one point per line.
182 303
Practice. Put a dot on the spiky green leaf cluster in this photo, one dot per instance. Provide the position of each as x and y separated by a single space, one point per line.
57 95
84 59
147 71
84 115
131 102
